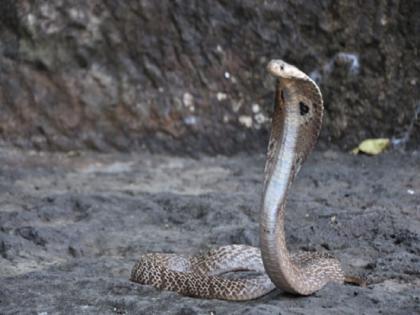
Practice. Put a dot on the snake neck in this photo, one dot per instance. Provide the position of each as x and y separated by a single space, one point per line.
292 138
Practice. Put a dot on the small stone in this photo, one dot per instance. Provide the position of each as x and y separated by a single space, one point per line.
245 120
384 21
221 96
190 120
255 108
358 262
260 118
188 100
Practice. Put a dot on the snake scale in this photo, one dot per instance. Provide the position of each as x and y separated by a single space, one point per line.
296 124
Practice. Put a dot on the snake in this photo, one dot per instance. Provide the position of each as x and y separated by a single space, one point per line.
296 124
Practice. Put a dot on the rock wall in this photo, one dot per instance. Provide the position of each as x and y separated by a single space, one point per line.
189 76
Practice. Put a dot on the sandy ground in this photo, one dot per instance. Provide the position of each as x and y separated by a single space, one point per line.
72 226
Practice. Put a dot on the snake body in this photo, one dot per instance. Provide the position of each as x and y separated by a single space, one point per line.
296 124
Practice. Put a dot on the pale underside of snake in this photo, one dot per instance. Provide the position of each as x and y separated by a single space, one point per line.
296 123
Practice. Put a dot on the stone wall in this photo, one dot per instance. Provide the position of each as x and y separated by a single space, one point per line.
189 76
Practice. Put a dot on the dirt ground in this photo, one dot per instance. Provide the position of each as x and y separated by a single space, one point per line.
72 226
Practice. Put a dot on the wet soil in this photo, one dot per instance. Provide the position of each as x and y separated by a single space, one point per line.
72 226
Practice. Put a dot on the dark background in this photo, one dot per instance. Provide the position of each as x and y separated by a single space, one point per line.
183 76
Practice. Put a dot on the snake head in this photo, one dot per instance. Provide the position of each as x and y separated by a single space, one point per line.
298 107
283 70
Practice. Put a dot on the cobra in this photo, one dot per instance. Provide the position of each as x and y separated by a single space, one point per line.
296 124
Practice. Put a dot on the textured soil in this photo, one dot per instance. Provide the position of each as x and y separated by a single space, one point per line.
72 226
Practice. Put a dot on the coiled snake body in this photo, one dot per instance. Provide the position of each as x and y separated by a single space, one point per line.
296 124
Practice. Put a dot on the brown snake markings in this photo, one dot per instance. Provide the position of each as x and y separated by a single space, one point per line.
295 128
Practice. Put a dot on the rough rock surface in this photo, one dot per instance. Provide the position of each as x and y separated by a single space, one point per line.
71 228
179 76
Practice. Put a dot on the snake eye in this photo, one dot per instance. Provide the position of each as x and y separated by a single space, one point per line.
304 109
